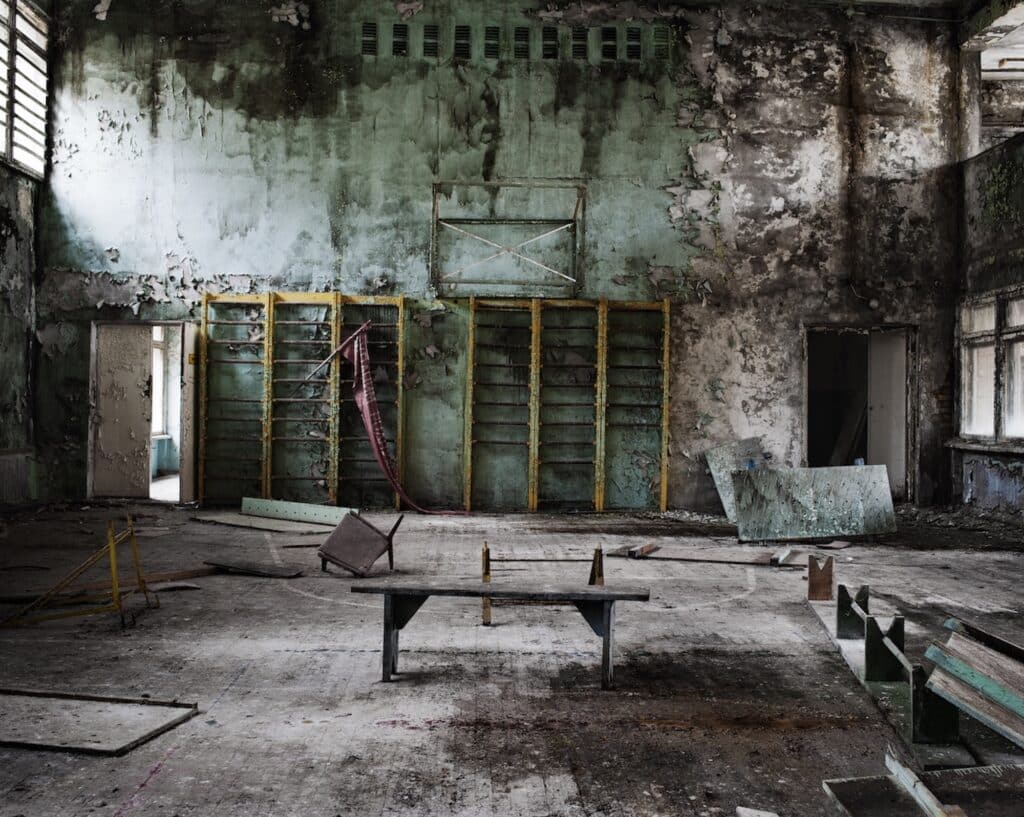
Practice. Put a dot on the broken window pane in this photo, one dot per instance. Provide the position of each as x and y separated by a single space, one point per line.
1015 313
1013 390
978 407
978 318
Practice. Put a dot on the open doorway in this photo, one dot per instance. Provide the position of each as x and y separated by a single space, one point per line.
165 419
141 423
857 408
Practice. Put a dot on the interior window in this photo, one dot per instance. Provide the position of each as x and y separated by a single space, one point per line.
1013 390
978 407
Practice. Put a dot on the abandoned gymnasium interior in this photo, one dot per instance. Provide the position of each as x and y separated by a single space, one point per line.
563 408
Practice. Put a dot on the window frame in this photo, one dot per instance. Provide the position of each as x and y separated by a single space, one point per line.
11 47
1000 337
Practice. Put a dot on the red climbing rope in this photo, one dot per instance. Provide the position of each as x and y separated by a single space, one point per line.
358 354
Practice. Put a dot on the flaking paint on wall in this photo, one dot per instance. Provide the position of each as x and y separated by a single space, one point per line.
774 172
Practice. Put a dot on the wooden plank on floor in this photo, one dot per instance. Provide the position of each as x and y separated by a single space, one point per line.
238 520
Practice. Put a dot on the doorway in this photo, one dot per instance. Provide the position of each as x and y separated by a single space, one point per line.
141 421
857 408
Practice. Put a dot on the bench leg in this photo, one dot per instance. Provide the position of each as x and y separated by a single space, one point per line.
390 660
608 646
398 609
323 565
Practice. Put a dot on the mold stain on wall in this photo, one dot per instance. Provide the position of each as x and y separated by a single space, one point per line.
746 175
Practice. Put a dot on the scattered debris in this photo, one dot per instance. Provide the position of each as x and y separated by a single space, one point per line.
113 595
90 724
254 569
356 544
982 675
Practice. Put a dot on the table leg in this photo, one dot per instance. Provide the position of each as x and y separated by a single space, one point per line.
608 646
390 637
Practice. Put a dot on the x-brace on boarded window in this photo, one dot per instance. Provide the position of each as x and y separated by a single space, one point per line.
566 405
276 422
507 239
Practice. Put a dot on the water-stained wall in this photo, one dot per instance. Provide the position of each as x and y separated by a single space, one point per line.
17 322
766 173
991 475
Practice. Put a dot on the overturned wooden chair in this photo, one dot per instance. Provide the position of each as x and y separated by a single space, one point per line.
596 578
356 545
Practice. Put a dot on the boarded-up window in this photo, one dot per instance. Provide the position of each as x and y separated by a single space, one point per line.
24 89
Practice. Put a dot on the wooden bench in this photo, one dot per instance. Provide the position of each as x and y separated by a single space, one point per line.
597 604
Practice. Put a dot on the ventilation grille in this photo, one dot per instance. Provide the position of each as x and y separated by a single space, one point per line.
579 43
369 40
549 43
609 43
400 40
633 44
431 40
462 49
521 46
661 43
492 42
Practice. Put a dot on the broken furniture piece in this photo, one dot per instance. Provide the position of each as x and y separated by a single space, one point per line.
597 604
742 455
90 724
108 600
356 544
596 577
981 675
875 654
984 791
813 503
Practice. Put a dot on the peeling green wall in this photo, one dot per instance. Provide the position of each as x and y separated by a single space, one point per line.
773 171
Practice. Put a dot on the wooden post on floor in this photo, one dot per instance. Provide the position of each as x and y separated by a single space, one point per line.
819 578
485 601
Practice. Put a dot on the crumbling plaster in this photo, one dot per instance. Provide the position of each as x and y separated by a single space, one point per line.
777 172
17 307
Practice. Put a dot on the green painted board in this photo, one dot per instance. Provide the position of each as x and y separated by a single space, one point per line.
294 511
807 503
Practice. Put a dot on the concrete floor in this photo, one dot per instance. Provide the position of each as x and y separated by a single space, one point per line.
728 690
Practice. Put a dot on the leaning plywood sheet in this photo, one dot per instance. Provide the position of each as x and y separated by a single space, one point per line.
295 511
982 791
808 503
725 459
85 723
238 520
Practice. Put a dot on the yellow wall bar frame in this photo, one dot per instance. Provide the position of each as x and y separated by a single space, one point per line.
600 404
467 414
533 473
665 395
334 390
204 396
400 422
268 393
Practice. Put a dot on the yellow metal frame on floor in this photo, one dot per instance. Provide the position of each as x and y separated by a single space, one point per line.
116 596
536 307
336 302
